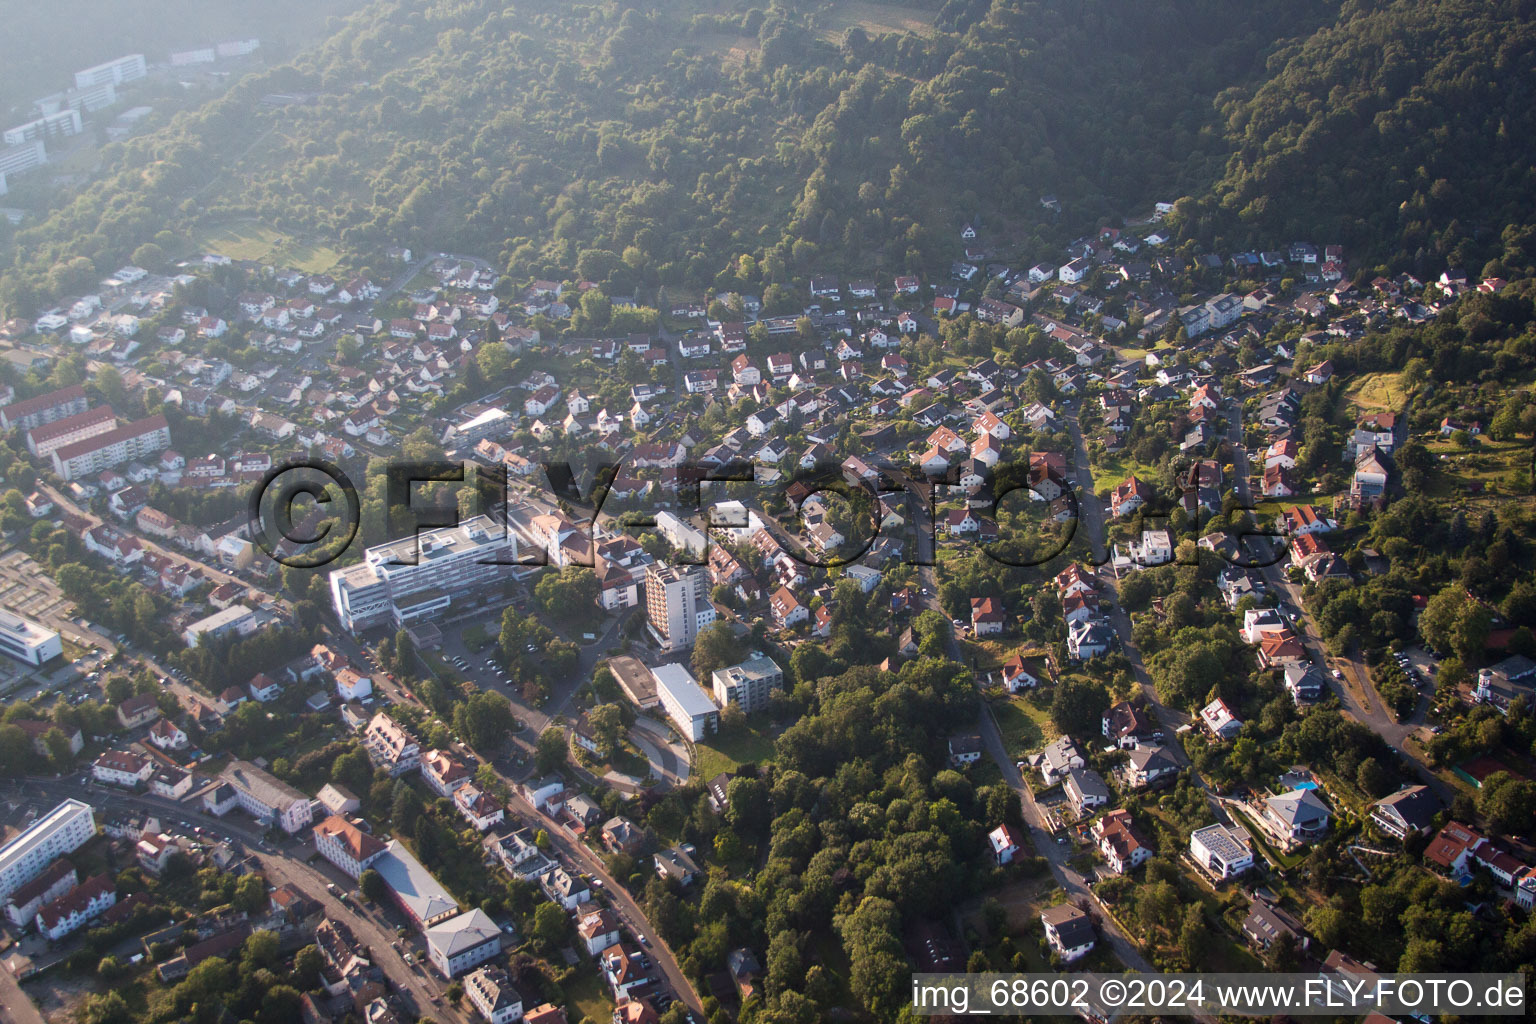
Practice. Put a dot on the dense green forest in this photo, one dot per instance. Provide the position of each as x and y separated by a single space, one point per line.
647 145
650 145
1403 130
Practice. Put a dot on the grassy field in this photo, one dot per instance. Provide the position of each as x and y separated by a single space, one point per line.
1491 463
732 50
1025 728
264 245
1378 391
875 19
725 752
585 993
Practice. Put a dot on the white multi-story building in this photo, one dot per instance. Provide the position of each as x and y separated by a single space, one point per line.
494 995
400 582
347 846
61 125
27 641
236 620
123 69
391 746
268 799
122 768
30 413
749 683
23 904
1222 851
677 604
462 943
62 830
137 440
48 438
76 908
16 159
686 704
681 534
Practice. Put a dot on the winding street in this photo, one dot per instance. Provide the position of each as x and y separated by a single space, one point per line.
420 993
1359 701
1041 835
577 853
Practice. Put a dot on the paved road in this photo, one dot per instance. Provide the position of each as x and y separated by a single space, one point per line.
415 987
577 854
1041 834
213 572
1359 701
1092 519
15 1007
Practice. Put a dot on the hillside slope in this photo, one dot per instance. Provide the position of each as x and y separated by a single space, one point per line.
1404 130
666 139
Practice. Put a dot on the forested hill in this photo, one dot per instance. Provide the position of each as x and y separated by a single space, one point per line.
651 144
666 138
1406 130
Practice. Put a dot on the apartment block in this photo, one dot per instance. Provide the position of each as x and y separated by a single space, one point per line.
47 438
748 684
124 69
137 440
28 641
62 830
421 575
677 604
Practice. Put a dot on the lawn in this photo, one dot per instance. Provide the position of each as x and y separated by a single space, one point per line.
1025 728
1383 391
257 242
586 994
728 751
1496 465
1260 840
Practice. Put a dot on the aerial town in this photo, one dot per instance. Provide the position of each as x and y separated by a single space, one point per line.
193 803
733 653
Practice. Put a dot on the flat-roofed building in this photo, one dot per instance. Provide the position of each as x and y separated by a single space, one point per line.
677 604
60 125
124 69
1221 850
686 704
28 641
236 620
62 830
266 798
748 684
635 680
421 575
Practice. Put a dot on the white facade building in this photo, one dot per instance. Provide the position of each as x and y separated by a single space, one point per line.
266 798
686 704
62 830
677 604
399 582
27 641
